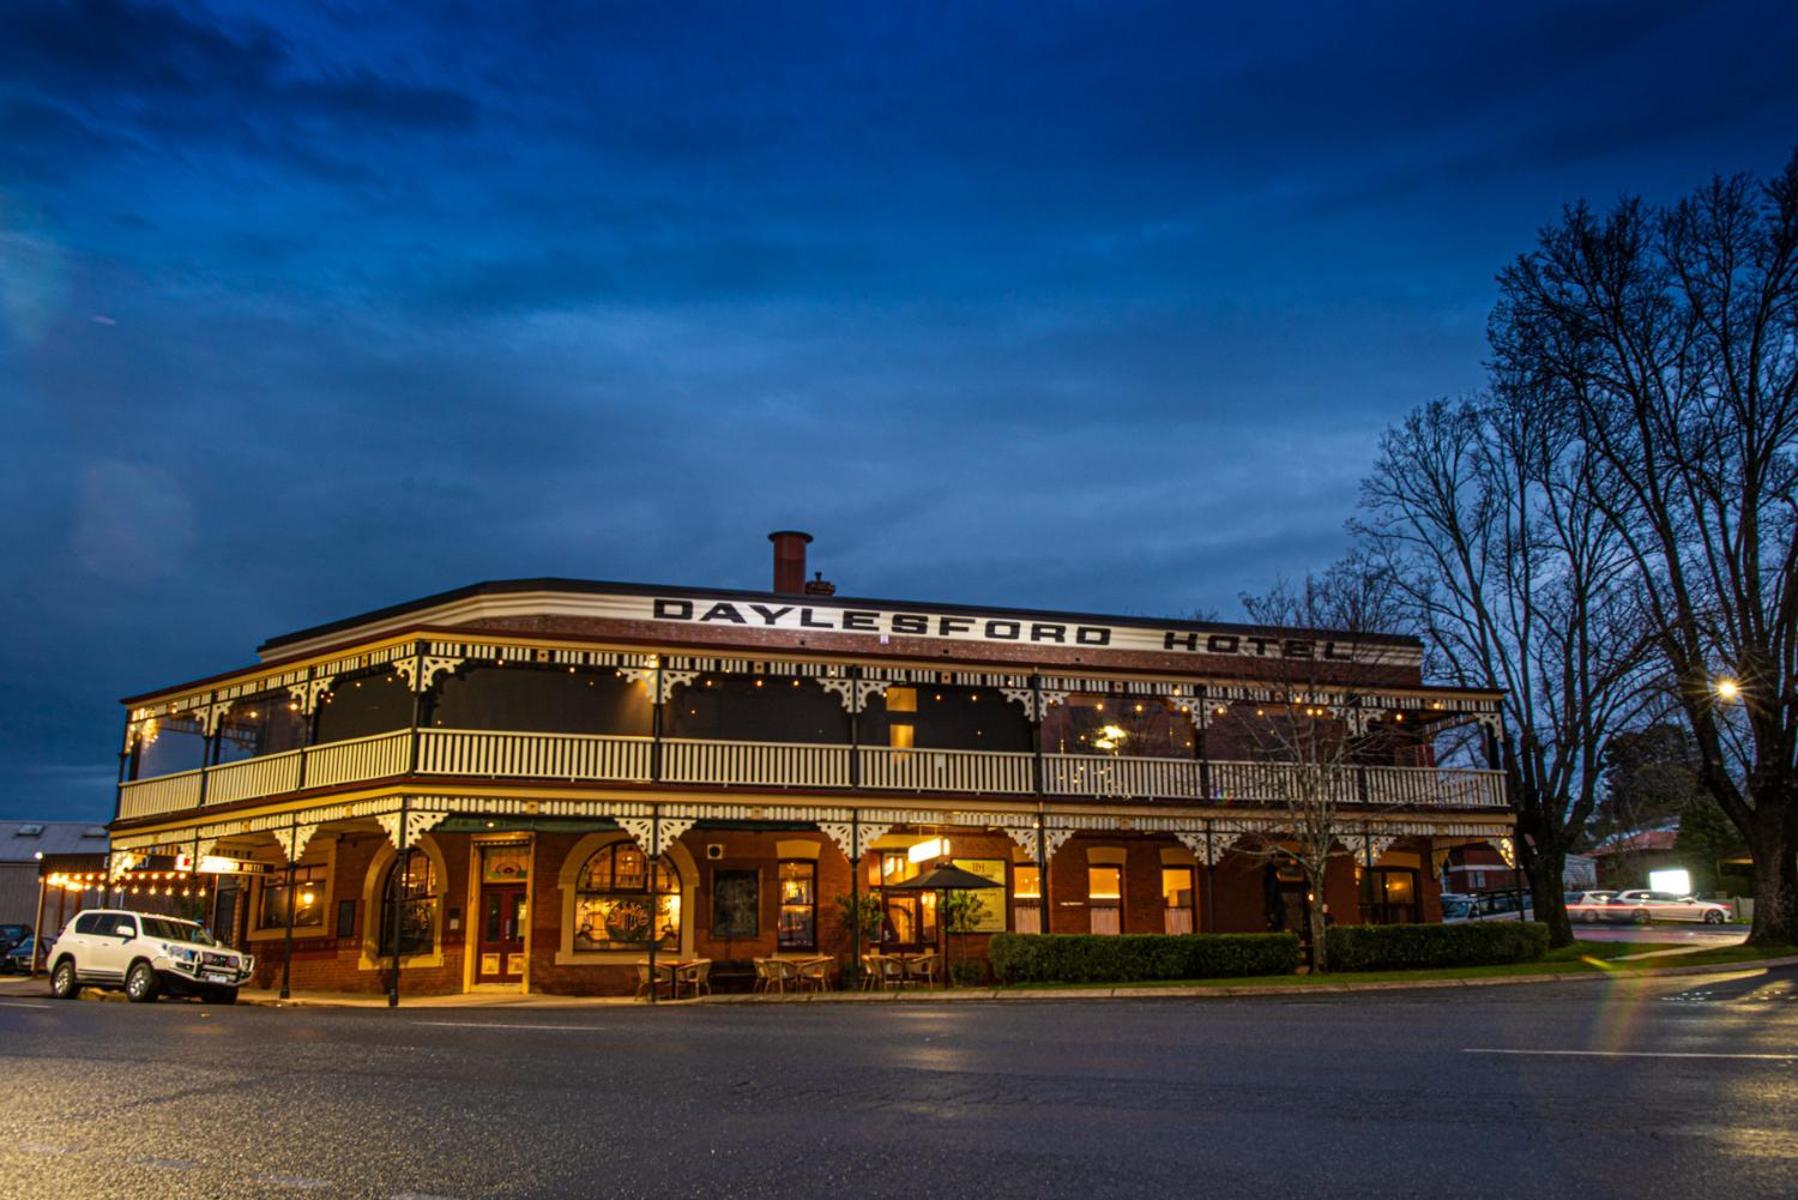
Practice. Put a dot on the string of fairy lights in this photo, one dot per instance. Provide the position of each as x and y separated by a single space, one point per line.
133 883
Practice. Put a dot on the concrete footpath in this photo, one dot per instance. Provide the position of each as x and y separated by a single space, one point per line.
35 988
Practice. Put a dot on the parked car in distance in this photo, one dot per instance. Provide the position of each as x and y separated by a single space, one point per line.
1643 905
17 959
145 955
12 935
1592 907
1491 906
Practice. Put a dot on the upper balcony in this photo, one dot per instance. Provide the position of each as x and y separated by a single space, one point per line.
528 714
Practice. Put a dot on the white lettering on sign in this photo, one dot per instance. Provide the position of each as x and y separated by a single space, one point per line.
972 627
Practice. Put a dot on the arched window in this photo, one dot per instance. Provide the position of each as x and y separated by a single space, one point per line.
613 897
416 886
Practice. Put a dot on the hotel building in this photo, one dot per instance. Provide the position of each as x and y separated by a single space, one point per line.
534 784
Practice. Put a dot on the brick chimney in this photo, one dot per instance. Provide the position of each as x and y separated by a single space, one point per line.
789 561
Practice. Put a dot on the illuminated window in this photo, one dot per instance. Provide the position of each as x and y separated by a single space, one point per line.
415 890
902 731
1105 898
1026 898
798 905
614 898
308 890
1176 899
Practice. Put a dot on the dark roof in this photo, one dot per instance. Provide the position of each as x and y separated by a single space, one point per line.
23 841
499 587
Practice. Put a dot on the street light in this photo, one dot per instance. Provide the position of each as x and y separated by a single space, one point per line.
1728 690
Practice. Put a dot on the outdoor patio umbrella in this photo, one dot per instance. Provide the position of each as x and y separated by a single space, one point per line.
943 879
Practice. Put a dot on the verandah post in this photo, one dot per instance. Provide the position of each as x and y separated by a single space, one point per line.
293 852
655 898
402 863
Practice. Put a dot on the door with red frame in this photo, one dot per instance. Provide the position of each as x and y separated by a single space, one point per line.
500 949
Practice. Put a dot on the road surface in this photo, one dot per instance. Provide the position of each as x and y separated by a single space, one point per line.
1642 1088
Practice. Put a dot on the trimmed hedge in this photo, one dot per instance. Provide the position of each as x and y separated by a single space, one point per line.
1131 957
1403 947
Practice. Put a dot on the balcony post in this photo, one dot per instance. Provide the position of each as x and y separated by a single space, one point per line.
418 700
855 749
125 755
208 749
308 732
1037 780
1210 863
1203 752
655 739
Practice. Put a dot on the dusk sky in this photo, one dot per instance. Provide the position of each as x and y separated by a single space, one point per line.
306 309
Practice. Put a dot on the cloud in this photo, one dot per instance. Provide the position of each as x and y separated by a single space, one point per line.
134 525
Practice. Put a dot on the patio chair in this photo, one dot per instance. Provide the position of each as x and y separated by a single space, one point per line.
923 967
815 975
785 973
696 975
664 978
870 972
763 978
891 970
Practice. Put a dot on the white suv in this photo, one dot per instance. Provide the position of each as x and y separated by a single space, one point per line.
146 955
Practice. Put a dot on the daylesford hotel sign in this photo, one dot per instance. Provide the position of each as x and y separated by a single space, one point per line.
973 627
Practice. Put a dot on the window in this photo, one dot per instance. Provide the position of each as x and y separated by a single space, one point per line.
615 896
1027 898
308 893
985 911
1176 899
902 716
414 889
798 906
736 901
907 918
1105 896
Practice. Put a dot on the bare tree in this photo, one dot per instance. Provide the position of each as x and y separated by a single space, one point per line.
1671 337
1314 733
1483 515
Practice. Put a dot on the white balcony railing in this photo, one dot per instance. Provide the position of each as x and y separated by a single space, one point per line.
532 755
766 764
590 757
374 757
253 777
1102 775
163 794
1435 787
973 771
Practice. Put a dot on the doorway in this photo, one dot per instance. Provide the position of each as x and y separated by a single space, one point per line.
504 908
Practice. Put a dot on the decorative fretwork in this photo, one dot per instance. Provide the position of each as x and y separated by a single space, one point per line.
842 834
1375 845
306 694
844 690
422 671
418 822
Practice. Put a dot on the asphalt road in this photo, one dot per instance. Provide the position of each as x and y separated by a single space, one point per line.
1667 1087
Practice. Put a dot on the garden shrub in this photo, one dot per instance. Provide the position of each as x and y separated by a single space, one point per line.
1134 957
1407 947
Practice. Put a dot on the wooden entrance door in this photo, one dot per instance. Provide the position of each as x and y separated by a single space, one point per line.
500 952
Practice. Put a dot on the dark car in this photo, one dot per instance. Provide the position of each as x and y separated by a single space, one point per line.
17 959
12 935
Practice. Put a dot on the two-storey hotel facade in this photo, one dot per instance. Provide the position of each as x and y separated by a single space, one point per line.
533 785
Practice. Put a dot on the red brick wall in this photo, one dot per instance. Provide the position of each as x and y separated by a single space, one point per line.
332 964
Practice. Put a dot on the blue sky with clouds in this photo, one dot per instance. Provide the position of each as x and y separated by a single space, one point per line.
306 309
